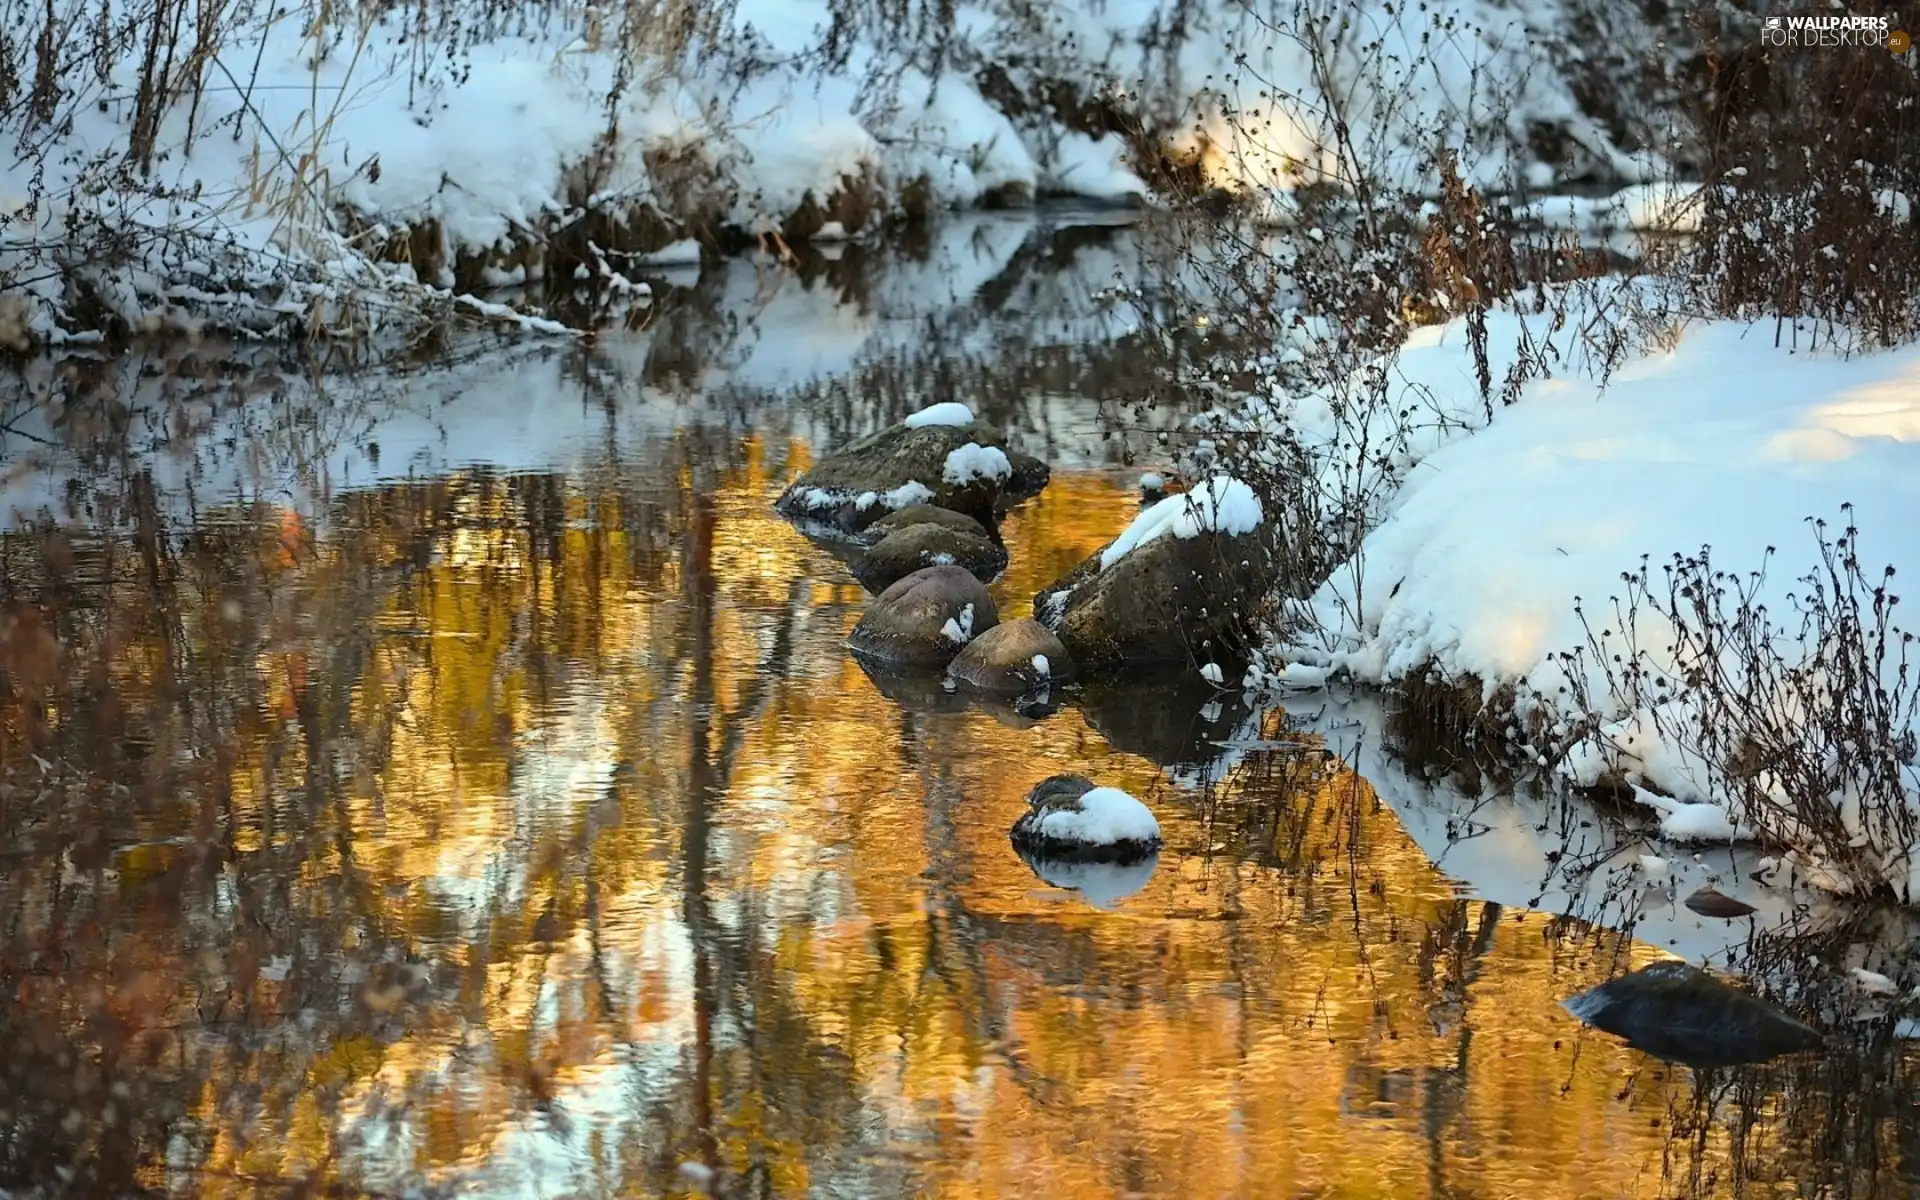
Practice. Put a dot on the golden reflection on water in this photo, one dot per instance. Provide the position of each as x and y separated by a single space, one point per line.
579 850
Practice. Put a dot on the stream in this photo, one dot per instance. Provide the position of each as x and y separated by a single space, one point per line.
454 782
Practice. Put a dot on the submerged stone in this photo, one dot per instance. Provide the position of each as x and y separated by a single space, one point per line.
1012 659
1711 903
925 618
1680 1013
904 551
941 456
925 514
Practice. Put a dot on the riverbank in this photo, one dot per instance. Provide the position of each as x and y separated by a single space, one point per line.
1658 572
304 173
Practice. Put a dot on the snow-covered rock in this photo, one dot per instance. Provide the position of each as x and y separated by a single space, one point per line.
1068 817
939 456
1182 579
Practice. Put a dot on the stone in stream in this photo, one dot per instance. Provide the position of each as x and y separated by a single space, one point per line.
904 551
1709 902
925 618
1012 659
1180 584
924 514
1070 819
940 455
1680 1013
925 689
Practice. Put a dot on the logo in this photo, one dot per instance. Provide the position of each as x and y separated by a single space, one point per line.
1833 31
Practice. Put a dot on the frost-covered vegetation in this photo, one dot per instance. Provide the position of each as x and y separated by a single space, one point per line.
344 169
1478 441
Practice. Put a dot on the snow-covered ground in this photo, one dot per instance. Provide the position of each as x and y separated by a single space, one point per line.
1488 539
309 144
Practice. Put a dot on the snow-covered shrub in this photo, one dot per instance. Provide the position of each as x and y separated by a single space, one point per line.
1800 725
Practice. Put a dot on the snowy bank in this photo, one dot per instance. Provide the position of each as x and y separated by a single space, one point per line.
298 162
1489 540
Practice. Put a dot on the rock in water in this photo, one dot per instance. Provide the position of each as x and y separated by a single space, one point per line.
1183 580
1711 903
924 514
1069 819
1012 659
905 551
1677 1012
925 618
940 455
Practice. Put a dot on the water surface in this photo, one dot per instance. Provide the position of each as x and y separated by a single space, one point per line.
456 783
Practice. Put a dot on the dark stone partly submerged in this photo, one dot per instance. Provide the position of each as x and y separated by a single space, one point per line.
1677 1012
924 514
1063 793
1171 600
904 551
1000 662
925 618
1709 902
886 462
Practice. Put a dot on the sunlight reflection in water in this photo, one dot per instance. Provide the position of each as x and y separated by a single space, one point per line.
539 837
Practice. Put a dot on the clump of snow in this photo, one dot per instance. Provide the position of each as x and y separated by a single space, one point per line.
1041 666
1151 481
911 492
1104 816
685 252
1212 674
941 559
1653 866
831 231
907 495
959 629
1093 168
1220 505
947 412
1873 983
1053 606
974 461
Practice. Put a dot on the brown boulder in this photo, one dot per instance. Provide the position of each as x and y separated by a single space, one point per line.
1167 599
904 551
925 618
925 514
1012 659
